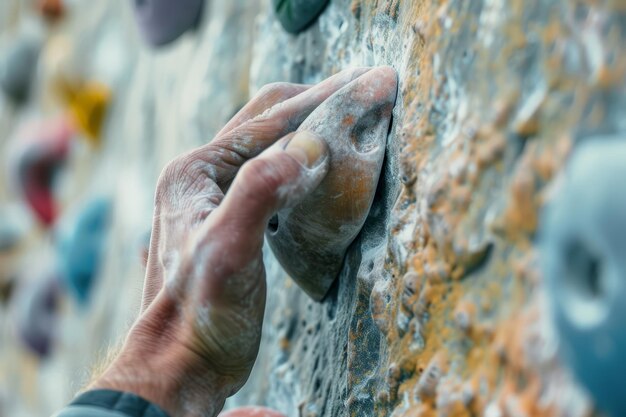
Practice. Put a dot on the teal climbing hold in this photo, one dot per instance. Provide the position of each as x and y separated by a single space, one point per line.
81 242
297 15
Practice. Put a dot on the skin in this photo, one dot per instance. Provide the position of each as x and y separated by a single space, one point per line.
198 332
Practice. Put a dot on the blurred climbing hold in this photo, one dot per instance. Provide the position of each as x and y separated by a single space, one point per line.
18 63
80 241
40 150
86 100
297 15
88 104
37 305
311 239
163 21
51 10
583 238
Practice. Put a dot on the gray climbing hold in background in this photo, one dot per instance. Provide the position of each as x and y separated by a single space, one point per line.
163 21
297 15
18 63
310 240
583 242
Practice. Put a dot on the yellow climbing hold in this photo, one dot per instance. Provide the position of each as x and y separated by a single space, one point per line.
88 106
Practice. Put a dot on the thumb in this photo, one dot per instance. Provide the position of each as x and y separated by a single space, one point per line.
279 177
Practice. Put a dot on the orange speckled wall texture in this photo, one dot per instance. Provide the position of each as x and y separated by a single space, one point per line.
440 309
443 295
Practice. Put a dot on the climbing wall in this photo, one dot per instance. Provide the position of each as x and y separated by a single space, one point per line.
440 308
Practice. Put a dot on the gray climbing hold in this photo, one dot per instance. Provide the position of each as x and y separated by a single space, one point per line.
583 242
163 21
311 239
297 15
18 63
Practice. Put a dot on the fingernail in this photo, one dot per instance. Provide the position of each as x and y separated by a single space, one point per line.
306 148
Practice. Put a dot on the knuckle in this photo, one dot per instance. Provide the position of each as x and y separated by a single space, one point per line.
171 172
175 167
185 176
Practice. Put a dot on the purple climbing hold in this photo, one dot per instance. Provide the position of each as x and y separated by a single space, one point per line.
36 316
163 21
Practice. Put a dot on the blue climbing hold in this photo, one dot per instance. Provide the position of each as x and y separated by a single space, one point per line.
81 242
583 242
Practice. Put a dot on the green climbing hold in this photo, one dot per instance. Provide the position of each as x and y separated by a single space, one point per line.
297 15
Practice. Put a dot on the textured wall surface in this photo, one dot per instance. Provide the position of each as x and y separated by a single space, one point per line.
439 309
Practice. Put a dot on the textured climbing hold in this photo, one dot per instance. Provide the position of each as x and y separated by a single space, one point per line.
583 241
297 15
18 62
311 239
40 150
36 313
80 242
163 21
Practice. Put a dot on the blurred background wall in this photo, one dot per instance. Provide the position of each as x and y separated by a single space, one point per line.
440 309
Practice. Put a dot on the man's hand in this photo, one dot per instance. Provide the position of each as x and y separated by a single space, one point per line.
198 333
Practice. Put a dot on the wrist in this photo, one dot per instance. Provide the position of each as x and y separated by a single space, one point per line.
156 380
136 378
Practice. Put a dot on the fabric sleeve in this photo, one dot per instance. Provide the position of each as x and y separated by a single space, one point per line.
108 403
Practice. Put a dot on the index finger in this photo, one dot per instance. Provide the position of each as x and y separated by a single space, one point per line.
253 136
265 98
